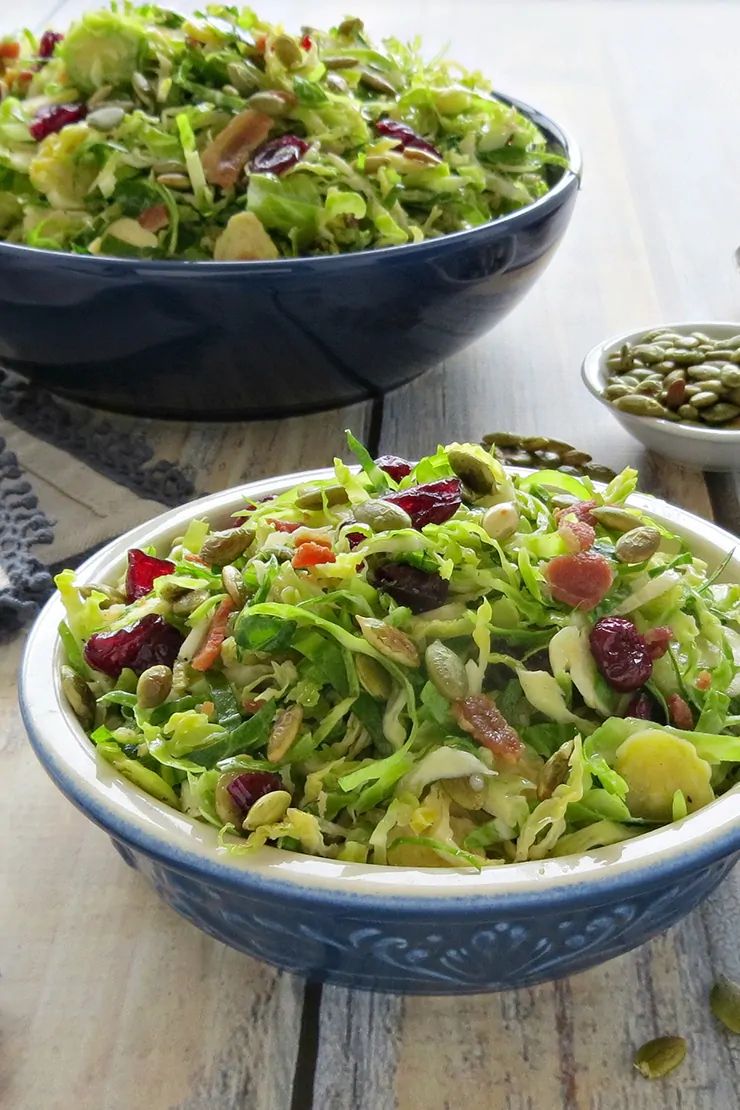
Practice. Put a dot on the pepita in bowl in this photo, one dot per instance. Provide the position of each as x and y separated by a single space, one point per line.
676 388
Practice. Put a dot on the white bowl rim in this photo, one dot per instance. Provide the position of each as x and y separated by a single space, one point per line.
593 375
144 824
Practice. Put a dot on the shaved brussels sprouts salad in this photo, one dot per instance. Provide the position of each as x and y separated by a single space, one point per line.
145 133
431 664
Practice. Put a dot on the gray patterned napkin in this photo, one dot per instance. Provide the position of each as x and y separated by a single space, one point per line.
70 480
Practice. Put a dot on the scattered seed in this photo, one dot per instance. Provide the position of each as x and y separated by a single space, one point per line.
221 548
233 583
637 545
724 1002
287 51
79 695
340 61
382 516
105 119
474 472
189 601
284 733
243 78
371 79
555 772
273 102
389 641
267 810
312 497
617 520
660 1056
446 671
153 686
336 83
373 677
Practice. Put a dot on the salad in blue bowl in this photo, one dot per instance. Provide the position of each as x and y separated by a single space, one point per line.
432 727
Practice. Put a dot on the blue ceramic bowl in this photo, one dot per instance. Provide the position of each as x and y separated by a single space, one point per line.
218 340
407 930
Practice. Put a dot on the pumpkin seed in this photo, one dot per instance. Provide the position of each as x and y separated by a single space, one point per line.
233 583
555 772
688 412
189 601
382 516
684 358
287 51
153 686
616 390
340 61
284 733
638 545
371 79
704 398
660 1056
501 521
337 84
105 119
446 671
174 181
244 79
476 473
674 376
617 520
350 27
220 548
423 157
267 810
702 373
720 413
373 677
724 1002
648 353
226 808
312 497
389 641
110 593
79 696
730 376
273 102
637 405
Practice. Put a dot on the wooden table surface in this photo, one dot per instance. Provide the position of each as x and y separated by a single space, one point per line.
108 1000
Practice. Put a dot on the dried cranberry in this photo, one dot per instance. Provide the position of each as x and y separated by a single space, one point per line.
306 42
354 539
397 468
657 640
581 580
251 786
432 503
278 155
405 136
419 590
142 570
140 645
53 117
621 654
48 42
642 706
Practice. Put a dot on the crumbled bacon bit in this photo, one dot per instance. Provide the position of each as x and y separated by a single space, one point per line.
576 534
285 525
582 510
657 640
703 680
154 218
581 580
680 711
479 715
251 705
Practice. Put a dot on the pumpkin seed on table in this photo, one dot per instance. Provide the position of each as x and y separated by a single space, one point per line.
541 452
659 1057
724 1002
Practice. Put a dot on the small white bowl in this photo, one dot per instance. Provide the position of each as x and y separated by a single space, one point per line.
704 448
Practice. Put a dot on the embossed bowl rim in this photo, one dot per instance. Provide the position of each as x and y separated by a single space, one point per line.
144 824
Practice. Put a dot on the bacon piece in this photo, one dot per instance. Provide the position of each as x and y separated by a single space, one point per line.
657 640
154 218
582 510
480 716
581 580
703 680
575 533
285 525
226 156
680 711
209 651
312 554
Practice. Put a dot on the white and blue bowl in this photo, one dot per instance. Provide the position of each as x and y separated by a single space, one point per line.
399 929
